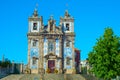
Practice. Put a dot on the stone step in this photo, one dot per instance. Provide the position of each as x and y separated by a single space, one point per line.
46 77
13 77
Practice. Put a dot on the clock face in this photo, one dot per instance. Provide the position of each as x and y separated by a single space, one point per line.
34 52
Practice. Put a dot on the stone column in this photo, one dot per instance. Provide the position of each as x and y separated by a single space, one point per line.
46 64
55 46
39 54
42 52
73 56
60 55
42 59
54 51
46 59
41 70
29 46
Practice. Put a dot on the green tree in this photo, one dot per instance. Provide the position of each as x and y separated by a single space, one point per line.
5 64
0 63
105 56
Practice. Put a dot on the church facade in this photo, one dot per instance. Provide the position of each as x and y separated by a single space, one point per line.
50 47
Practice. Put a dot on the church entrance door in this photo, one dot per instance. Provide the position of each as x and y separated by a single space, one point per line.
51 65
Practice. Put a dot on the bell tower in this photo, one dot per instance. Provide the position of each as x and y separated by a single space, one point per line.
67 23
35 27
35 22
67 26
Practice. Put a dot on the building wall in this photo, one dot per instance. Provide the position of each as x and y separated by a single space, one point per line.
77 60
49 42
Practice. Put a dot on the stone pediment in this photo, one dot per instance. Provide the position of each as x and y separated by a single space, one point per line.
45 29
35 57
52 56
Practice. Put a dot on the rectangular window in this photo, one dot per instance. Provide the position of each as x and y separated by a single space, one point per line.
67 27
50 46
34 61
68 44
34 43
67 60
34 26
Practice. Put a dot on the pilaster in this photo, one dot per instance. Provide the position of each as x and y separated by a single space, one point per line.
42 52
41 57
29 46
73 55
54 46
60 54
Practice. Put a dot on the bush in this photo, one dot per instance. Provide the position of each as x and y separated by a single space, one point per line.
55 71
48 70
5 64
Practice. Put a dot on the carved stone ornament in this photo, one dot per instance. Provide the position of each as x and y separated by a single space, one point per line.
51 56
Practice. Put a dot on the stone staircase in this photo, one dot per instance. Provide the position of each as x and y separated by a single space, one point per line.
90 77
30 77
13 77
3 75
54 77
46 77
73 77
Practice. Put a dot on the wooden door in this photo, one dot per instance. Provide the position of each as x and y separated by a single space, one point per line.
51 65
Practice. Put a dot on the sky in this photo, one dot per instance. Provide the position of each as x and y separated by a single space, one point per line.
91 18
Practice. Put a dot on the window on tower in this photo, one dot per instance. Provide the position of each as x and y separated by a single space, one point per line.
68 60
67 27
50 46
68 44
34 26
34 44
34 61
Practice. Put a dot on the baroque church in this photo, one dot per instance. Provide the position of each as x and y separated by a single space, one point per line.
50 47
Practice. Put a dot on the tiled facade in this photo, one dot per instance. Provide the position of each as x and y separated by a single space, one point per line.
51 47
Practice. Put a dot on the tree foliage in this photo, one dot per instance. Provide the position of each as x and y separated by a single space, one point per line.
105 56
5 63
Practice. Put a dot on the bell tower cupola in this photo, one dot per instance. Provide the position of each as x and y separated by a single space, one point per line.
67 23
35 14
67 15
51 24
35 22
